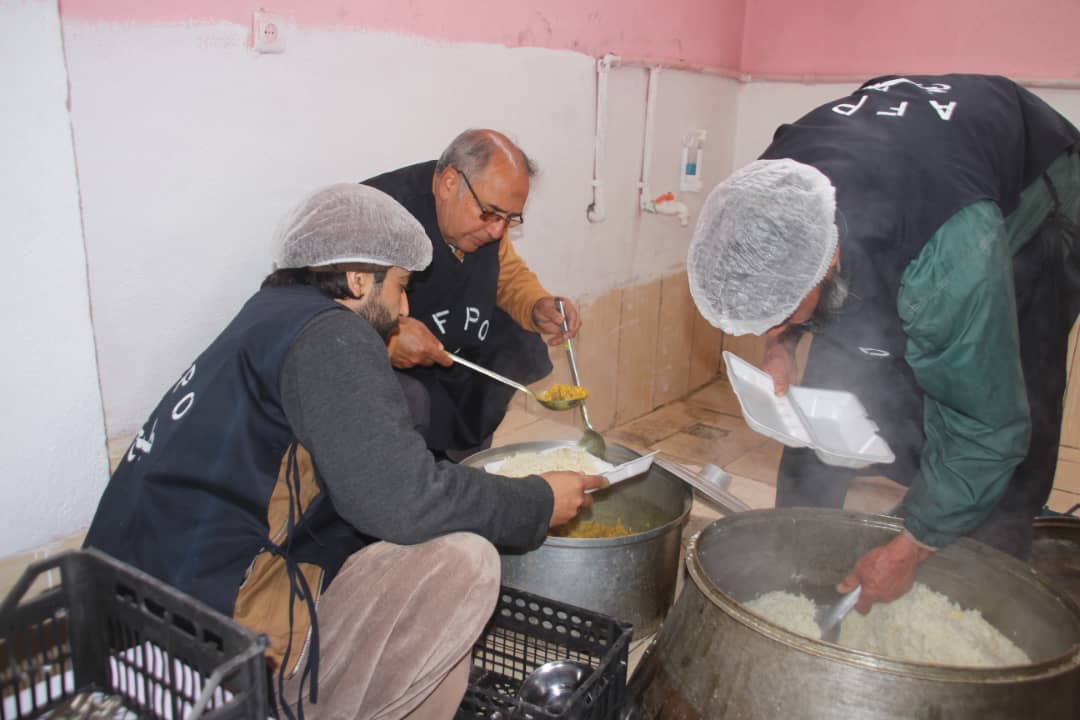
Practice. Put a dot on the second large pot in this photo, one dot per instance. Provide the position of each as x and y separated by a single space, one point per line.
1055 552
630 578
714 658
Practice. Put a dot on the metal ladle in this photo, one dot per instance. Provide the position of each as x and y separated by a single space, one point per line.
551 688
829 617
568 404
591 440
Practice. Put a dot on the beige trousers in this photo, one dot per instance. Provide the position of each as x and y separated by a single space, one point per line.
396 626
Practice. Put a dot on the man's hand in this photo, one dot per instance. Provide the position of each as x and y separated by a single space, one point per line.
569 490
545 315
886 572
779 362
413 345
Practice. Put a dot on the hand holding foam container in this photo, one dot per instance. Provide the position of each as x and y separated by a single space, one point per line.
833 423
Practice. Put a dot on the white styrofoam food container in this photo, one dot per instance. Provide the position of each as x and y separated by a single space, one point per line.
627 470
630 468
832 422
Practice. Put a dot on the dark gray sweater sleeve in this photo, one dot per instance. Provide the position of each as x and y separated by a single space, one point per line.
345 405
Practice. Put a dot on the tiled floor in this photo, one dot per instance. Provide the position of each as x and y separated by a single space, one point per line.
707 427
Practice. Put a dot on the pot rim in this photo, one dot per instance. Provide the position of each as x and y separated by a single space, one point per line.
1063 522
866 660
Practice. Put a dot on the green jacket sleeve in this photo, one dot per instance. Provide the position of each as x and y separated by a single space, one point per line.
958 309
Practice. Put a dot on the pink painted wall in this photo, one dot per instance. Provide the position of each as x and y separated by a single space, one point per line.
1019 38
763 38
689 33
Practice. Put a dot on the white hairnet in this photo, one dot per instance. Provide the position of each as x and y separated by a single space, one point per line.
351 223
765 238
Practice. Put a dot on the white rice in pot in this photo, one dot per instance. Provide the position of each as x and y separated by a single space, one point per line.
923 626
794 612
534 463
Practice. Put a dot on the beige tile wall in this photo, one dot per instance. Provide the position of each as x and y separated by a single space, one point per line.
1070 429
1066 492
598 351
639 323
639 348
675 333
706 348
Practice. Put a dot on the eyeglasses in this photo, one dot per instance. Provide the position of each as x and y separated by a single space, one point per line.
489 214
790 329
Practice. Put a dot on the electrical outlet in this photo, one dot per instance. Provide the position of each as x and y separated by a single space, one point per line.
267 32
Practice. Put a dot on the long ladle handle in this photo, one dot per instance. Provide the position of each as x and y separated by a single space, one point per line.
490 373
566 343
570 357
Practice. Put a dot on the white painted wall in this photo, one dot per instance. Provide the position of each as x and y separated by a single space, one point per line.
54 462
764 106
1066 102
190 147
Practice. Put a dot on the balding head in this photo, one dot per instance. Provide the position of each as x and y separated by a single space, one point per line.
481 184
472 151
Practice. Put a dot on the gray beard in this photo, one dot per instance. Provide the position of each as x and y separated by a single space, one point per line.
834 294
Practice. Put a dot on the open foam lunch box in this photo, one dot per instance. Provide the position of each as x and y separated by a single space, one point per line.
832 422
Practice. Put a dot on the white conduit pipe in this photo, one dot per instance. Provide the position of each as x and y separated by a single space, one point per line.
597 210
645 201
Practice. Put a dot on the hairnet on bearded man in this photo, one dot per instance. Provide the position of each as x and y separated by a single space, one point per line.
765 238
351 223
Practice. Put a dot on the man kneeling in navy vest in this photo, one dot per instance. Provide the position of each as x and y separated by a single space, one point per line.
281 482
477 299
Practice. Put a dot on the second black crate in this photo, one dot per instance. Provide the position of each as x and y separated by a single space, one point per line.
527 631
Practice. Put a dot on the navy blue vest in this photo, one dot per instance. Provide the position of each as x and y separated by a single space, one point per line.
188 502
455 299
905 154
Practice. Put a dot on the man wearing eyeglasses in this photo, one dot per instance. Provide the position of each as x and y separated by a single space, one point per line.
477 299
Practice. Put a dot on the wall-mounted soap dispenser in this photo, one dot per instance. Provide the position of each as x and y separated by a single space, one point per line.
690 168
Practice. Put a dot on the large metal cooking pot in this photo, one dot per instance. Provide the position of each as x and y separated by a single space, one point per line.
630 578
1055 552
713 658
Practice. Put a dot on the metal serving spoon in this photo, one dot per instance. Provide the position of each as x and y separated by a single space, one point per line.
549 404
829 618
591 440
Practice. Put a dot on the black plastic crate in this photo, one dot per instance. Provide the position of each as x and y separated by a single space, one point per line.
527 631
111 637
